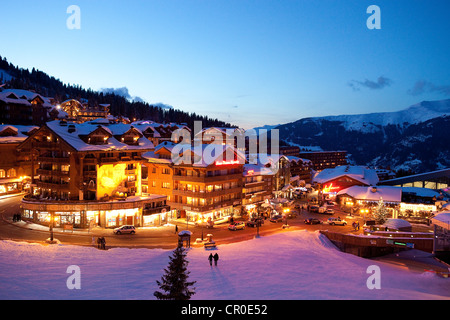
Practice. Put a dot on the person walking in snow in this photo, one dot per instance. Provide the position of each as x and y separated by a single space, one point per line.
216 257
210 258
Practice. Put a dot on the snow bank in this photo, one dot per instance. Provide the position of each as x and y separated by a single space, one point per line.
287 266
397 224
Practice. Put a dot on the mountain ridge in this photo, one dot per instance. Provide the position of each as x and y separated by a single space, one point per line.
410 139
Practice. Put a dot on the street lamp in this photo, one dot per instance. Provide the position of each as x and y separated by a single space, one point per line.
364 211
202 220
51 221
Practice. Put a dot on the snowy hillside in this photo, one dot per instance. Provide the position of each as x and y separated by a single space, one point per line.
416 113
287 266
414 138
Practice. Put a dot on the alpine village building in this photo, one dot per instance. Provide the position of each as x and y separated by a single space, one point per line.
88 174
82 167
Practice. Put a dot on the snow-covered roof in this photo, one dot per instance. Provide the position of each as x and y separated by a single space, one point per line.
200 155
257 170
11 97
421 192
442 219
297 159
387 193
263 158
397 223
18 133
74 139
362 174
25 95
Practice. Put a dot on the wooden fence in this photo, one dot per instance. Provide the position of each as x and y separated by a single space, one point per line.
375 245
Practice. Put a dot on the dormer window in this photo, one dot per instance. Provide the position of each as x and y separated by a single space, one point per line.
97 139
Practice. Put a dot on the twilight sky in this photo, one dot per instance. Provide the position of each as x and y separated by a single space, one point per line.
247 62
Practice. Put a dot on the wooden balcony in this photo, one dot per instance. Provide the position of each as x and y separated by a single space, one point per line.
205 208
204 194
65 160
55 173
208 179
53 186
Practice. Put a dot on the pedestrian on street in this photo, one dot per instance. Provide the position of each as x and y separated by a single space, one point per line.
216 257
176 229
103 243
99 242
210 258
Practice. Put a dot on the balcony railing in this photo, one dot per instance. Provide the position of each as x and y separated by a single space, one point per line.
207 179
206 194
54 159
58 173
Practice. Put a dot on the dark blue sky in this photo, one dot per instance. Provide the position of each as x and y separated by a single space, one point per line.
247 62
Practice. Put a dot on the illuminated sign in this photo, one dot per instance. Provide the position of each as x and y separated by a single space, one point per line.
329 188
223 163
250 172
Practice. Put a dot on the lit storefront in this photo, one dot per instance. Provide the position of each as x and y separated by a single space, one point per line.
86 214
397 200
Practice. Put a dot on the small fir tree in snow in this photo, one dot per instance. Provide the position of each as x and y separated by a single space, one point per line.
174 283
380 214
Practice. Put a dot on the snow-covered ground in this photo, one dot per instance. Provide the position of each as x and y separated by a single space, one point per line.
287 266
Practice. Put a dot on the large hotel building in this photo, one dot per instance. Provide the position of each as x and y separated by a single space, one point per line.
87 169
88 174
201 183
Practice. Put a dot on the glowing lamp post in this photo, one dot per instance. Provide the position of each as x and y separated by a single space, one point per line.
364 211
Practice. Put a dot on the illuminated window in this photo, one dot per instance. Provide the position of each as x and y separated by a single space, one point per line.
2 173
11 173
166 185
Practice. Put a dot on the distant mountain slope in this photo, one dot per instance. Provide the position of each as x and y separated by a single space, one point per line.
415 138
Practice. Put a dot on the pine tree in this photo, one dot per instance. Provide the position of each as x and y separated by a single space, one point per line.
174 283
380 213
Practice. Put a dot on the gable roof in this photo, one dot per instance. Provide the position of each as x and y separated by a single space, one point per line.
359 173
74 140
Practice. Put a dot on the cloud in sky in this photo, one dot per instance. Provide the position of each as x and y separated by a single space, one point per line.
123 91
380 83
424 86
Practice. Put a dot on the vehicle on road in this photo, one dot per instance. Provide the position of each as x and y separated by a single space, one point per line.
254 222
329 211
322 209
125 229
312 221
313 208
277 218
336 221
292 214
238 225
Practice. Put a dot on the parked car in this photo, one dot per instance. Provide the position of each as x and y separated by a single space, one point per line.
292 214
314 208
329 211
336 221
322 209
254 222
277 218
238 225
125 229
312 221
